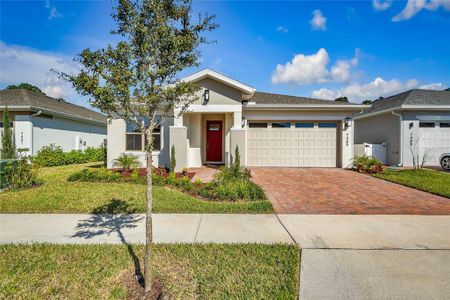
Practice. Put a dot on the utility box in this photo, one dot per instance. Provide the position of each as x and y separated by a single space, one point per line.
4 163
376 150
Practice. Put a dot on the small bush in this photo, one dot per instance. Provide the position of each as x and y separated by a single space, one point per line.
52 155
238 190
367 164
127 162
22 175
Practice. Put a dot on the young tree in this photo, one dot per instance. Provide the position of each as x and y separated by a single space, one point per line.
7 140
138 76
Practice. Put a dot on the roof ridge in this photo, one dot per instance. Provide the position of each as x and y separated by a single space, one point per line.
294 96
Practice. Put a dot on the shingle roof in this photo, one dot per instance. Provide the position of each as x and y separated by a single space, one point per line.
269 98
412 97
21 97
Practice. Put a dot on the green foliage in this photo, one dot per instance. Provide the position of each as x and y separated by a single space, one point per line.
238 190
367 164
52 155
173 160
127 162
25 86
367 102
237 160
21 174
105 175
341 99
7 151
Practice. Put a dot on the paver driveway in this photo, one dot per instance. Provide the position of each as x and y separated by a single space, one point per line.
339 191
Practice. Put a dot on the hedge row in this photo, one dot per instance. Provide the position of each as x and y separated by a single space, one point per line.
53 155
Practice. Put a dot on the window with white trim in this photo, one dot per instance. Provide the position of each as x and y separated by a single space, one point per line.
426 124
135 140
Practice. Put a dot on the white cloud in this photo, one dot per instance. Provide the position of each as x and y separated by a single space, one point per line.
381 4
304 69
282 29
413 7
318 22
433 86
372 90
21 64
52 11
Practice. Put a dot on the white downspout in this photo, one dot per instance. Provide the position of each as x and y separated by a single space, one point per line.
401 137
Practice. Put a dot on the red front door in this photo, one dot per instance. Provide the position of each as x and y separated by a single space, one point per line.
214 141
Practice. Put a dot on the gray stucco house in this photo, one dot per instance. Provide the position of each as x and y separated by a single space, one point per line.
416 121
269 129
39 120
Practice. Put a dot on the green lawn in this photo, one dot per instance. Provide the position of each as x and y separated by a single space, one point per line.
57 195
205 271
435 182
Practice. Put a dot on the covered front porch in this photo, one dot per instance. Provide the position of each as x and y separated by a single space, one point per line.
207 138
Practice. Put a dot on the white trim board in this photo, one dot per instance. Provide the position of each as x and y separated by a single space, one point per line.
294 118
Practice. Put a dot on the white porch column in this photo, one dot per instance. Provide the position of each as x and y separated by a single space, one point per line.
23 133
177 117
178 139
237 120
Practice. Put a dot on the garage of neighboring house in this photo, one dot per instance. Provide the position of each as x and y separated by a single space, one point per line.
292 143
433 139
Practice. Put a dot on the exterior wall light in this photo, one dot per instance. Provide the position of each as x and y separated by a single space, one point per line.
206 96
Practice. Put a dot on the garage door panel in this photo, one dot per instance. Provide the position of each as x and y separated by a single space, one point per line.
292 147
434 142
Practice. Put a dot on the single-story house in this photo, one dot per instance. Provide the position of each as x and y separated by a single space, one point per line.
38 120
268 129
416 121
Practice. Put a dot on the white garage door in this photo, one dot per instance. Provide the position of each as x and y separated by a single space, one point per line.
292 144
434 139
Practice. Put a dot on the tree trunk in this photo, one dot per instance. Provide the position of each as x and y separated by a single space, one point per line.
148 222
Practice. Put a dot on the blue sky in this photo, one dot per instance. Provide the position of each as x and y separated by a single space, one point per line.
359 49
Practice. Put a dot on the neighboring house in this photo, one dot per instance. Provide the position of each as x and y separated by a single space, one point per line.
415 121
269 129
39 120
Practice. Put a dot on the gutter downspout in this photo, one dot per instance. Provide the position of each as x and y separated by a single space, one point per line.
401 137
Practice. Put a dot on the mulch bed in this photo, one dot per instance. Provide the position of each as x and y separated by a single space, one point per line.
136 291
142 172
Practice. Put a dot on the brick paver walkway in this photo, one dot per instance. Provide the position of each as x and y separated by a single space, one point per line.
339 191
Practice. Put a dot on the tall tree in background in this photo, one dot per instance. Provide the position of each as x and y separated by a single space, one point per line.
25 86
341 99
138 76
7 142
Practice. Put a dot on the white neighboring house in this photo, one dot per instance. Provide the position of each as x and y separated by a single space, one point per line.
38 120
269 129
416 119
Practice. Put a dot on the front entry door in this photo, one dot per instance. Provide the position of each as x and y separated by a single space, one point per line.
214 141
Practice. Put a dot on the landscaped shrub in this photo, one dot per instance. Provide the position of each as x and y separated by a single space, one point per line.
367 164
126 161
105 175
52 155
22 174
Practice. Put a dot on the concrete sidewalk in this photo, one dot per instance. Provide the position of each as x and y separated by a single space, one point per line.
309 231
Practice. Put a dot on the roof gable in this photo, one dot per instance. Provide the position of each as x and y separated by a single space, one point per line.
207 73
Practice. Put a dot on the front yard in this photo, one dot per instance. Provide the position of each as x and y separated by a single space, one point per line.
431 181
205 271
57 195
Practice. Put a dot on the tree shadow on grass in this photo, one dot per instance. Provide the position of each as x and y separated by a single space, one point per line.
112 218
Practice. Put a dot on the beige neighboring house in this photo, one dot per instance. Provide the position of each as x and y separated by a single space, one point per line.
416 121
38 120
269 129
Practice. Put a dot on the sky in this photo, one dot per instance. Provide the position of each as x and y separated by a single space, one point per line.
358 49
